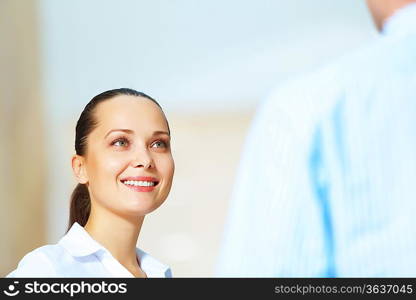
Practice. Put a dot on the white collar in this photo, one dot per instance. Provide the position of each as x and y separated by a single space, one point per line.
79 243
402 22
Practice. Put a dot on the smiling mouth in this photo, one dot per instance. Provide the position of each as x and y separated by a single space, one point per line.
140 183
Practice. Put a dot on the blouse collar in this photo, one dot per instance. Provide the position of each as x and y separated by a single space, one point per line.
402 22
79 243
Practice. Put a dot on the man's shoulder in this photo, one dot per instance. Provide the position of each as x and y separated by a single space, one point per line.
305 96
316 92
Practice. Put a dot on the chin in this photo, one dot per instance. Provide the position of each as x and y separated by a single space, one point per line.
142 208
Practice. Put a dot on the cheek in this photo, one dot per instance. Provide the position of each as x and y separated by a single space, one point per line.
166 167
116 165
108 167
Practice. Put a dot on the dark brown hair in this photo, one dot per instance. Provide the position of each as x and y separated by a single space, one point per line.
80 205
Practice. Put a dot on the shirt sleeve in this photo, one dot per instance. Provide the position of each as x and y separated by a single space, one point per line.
34 264
274 227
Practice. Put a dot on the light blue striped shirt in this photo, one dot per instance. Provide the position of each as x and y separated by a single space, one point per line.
327 181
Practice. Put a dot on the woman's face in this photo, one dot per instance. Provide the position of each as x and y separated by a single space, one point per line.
129 163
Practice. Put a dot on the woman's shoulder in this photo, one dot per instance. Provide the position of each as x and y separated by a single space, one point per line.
38 262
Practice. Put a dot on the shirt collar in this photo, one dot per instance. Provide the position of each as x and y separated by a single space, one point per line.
79 243
402 22
151 266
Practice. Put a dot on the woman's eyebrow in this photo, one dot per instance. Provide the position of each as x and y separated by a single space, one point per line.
124 130
132 131
161 132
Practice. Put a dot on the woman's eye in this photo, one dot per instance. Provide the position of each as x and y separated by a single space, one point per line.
159 144
120 143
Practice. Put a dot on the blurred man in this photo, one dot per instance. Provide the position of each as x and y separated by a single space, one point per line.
327 181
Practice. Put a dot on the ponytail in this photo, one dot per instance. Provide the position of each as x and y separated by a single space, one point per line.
80 206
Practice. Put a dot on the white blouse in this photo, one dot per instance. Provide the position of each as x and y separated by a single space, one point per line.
77 254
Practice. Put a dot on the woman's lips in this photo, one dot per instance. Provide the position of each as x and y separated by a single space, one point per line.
140 183
141 188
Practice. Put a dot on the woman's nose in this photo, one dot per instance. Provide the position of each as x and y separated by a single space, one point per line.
143 160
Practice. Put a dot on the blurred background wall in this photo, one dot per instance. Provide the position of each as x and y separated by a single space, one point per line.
208 63
23 165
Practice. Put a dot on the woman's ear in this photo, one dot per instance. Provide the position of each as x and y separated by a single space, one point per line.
78 167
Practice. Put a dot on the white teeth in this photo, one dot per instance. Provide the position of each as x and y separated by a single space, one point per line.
139 183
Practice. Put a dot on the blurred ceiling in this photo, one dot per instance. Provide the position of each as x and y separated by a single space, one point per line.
190 55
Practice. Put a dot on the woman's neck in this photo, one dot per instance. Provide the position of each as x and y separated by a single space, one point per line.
117 234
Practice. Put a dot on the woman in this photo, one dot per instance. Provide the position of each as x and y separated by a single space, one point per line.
124 167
